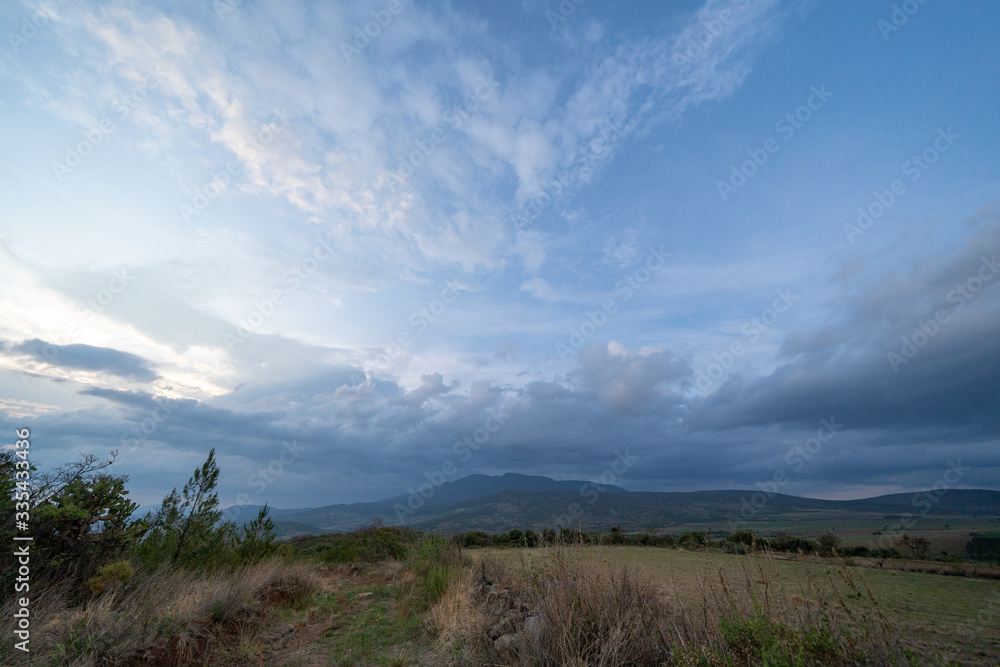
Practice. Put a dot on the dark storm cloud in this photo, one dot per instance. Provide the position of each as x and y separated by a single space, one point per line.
914 348
179 421
88 358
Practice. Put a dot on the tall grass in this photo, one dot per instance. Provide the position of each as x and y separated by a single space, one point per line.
563 609
163 618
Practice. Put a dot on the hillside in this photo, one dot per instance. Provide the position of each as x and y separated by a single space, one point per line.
501 503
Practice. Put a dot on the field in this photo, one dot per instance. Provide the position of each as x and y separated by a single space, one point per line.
342 600
954 617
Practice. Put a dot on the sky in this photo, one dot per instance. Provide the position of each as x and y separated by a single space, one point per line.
360 247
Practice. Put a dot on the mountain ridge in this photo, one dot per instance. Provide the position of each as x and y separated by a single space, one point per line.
503 502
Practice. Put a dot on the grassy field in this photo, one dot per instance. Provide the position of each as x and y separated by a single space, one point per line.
605 605
955 617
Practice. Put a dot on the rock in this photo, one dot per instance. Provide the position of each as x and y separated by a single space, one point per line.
534 626
509 646
507 624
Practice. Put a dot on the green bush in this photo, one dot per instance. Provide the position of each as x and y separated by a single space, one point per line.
745 537
476 538
371 544
693 538
110 576
788 544
983 548
759 640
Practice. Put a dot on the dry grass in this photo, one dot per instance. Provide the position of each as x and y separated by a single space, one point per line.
166 618
561 610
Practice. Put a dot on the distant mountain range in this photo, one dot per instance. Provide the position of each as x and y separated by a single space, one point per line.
501 503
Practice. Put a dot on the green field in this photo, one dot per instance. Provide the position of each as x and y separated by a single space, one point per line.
957 618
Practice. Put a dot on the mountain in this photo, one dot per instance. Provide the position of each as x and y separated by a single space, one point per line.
501 503
345 517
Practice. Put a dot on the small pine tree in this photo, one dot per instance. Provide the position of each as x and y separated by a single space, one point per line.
184 530
258 537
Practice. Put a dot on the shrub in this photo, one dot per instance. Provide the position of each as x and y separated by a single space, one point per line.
744 537
859 551
983 548
827 543
110 576
786 543
368 545
476 538
693 538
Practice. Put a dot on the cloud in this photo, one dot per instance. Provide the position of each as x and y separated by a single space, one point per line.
88 358
913 348
630 382
540 289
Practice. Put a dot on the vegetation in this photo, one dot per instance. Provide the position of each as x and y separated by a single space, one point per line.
180 586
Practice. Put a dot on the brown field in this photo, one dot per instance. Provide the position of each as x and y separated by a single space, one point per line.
954 617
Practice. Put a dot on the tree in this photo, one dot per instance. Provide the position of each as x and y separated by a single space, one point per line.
693 538
257 541
616 536
184 530
201 503
745 537
81 517
917 546
827 543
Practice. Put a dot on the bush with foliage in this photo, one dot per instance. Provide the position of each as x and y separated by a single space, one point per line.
984 548
80 518
787 543
693 539
371 544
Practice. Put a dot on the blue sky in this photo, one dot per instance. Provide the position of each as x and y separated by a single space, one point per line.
333 240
